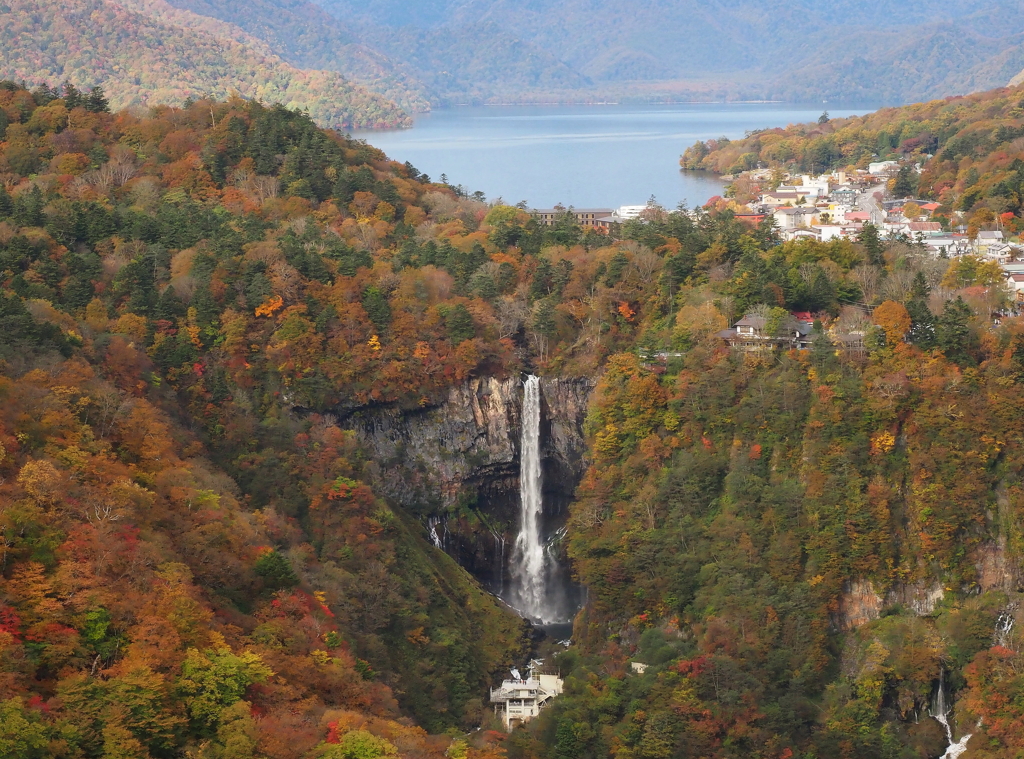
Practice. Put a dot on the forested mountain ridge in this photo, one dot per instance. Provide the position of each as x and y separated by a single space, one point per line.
801 546
881 51
305 36
495 51
148 52
189 298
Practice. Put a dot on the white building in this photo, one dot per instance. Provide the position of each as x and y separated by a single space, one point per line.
817 187
948 245
519 701
631 212
1002 252
883 167
1015 284
986 240
795 218
828 232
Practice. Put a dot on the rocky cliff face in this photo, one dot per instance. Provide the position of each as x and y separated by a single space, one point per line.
456 464
860 603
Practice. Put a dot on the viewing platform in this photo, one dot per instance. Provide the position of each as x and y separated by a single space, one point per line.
519 701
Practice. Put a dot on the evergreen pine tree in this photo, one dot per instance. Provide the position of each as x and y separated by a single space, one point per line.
543 322
922 328
905 185
872 243
96 101
459 324
822 293
72 96
541 285
6 204
275 570
377 308
953 332
28 208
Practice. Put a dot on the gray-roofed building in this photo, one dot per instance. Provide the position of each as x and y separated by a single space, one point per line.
750 334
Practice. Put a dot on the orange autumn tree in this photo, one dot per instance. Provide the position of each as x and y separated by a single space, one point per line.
894 321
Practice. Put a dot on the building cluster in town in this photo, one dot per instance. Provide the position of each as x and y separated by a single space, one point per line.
838 205
829 207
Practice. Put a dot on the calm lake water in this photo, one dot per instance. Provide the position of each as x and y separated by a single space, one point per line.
584 156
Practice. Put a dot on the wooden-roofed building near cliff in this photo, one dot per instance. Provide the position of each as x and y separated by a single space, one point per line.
754 333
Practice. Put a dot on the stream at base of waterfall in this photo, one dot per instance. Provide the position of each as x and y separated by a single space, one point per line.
940 711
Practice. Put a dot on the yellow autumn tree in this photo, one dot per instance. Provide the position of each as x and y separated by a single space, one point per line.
894 320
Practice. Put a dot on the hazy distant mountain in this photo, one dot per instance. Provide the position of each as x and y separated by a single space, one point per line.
305 36
412 65
148 52
453 51
878 49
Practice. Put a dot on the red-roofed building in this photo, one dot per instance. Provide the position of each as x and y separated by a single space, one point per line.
751 218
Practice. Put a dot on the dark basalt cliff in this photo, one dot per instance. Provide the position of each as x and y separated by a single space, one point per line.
455 464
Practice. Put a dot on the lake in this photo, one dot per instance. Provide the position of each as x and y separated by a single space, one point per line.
602 156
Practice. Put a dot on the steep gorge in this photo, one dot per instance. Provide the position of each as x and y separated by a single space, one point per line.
455 465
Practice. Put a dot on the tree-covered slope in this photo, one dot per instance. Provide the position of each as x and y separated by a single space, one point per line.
189 296
729 527
188 566
149 52
304 35
802 546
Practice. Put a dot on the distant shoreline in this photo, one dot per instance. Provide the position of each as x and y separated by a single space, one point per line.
617 102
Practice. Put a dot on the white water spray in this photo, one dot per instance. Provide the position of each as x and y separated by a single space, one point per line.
530 561
434 527
1004 625
941 712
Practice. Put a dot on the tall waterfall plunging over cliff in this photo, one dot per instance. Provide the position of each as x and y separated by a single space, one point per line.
530 560
459 462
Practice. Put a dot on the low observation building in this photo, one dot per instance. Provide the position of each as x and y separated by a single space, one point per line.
520 700
752 333
585 217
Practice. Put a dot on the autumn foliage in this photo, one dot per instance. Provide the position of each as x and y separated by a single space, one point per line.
193 559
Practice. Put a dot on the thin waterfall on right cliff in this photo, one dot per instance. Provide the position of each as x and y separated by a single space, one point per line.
940 711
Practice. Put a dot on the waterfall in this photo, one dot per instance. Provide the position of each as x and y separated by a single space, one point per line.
941 712
499 543
530 560
434 525
1004 625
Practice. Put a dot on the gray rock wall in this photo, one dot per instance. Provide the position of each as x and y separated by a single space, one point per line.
464 452
427 457
860 603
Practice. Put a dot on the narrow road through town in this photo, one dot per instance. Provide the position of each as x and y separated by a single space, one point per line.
868 202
